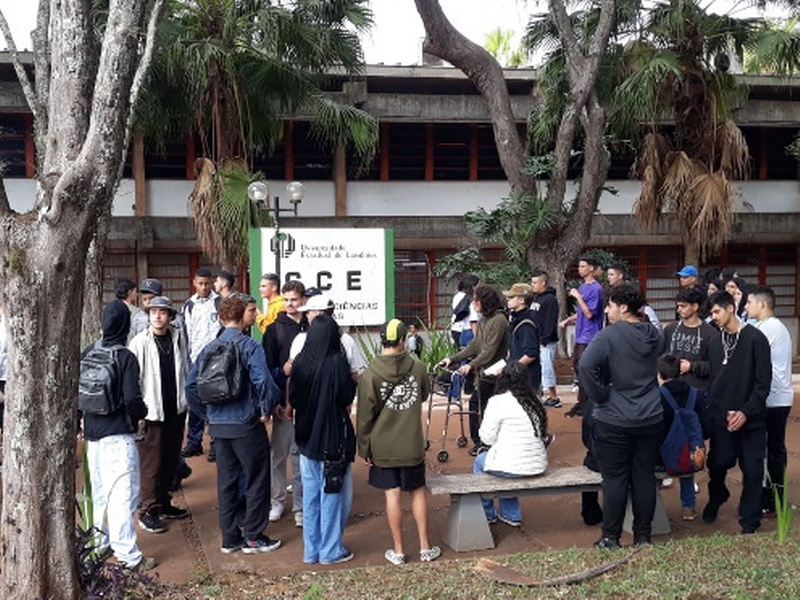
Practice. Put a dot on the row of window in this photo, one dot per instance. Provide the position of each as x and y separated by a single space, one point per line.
406 152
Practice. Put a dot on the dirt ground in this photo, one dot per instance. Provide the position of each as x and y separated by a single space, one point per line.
191 547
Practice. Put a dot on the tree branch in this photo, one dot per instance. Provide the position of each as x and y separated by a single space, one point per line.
19 69
446 42
41 65
5 206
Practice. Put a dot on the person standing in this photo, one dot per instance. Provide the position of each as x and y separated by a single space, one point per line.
689 338
111 452
588 321
545 311
489 346
148 289
277 343
321 392
464 319
241 439
390 440
618 371
224 284
162 367
523 333
741 376
761 307
202 326
270 290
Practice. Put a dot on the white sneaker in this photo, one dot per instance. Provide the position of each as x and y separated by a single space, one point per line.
666 482
276 512
298 518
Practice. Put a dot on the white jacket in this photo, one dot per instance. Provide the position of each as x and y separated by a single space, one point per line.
515 449
143 346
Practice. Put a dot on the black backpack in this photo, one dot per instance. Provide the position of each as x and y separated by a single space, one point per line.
99 381
219 372
461 311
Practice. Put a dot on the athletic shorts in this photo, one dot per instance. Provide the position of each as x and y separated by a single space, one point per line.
407 479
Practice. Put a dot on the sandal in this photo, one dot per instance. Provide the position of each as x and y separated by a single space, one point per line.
395 557
430 554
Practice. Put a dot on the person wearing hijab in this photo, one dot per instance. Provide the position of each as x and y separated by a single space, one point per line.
321 392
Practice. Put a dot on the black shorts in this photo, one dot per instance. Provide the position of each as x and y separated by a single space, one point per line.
407 479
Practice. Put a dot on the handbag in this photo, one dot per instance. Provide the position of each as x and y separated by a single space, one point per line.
334 469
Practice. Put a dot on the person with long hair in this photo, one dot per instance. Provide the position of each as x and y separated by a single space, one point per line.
618 370
321 392
515 426
489 346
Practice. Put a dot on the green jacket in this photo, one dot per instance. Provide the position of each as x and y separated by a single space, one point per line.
390 397
489 345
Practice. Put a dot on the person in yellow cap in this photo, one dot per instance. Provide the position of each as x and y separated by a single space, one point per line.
390 396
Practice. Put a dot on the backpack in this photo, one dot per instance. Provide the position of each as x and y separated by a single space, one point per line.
462 309
98 383
219 372
683 451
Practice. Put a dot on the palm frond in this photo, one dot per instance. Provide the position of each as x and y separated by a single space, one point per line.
775 49
648 205
714 195
679 173
652 153
337 124
640 97
734 154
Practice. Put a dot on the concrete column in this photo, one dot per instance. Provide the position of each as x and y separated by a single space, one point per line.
139 183
340 180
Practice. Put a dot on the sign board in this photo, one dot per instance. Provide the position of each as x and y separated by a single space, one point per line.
353 267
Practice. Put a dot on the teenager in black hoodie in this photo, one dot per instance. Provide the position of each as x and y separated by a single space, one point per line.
111 449
618 372
545 311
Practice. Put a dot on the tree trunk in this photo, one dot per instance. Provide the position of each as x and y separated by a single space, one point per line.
86 88
93 284
43 299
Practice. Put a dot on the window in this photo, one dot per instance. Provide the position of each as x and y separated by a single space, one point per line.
12 145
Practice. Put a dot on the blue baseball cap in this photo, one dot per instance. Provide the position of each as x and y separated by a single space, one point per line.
688 271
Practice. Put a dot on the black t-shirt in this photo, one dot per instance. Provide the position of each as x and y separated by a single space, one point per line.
169 382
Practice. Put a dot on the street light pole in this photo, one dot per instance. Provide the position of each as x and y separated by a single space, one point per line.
258 193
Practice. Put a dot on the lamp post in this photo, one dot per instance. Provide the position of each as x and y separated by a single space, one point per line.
258 193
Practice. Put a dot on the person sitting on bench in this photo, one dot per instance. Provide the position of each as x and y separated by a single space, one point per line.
515 426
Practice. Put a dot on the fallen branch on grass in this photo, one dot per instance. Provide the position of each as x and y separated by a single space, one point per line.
503 574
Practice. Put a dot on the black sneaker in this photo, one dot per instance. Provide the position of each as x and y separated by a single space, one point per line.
261 544
212 455
231 548
191 450
478 449
575 411
552 403
607 543
151 522
642 540
173 512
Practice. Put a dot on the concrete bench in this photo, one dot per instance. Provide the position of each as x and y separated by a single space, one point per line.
467 528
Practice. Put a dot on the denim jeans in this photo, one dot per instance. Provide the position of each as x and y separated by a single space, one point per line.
509 507
687 491
324 515
114 472
547 355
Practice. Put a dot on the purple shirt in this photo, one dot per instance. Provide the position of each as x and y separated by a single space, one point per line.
586 329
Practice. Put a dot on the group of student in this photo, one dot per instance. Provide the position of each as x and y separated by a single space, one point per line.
728 358
301 381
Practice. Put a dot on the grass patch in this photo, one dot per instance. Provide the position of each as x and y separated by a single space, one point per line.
719 566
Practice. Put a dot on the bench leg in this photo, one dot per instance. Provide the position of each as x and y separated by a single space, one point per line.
660 525
467 528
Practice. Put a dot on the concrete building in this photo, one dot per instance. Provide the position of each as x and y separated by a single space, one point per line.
436 161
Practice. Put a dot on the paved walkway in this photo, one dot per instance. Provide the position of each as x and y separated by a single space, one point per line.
192 546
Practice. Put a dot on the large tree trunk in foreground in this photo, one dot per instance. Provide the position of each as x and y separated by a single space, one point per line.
85 90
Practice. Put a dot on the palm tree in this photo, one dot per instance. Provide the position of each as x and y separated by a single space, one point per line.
666 85
498 43
229 72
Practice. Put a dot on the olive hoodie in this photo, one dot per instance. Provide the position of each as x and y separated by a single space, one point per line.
390 397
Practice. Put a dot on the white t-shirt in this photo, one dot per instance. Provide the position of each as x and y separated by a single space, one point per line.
354 355
464 323
780 346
